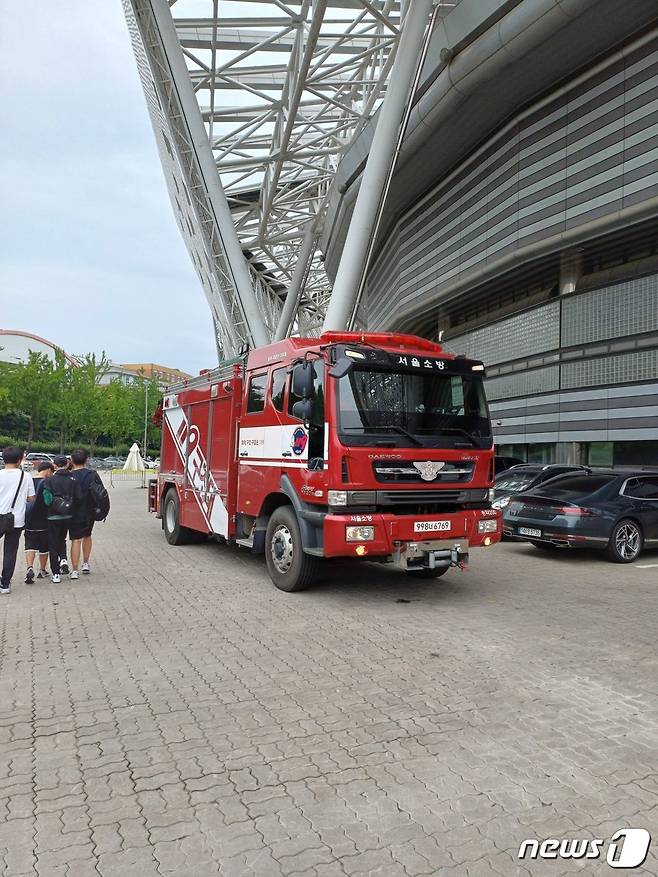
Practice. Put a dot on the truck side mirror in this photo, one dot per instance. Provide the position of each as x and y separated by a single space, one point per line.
303 410
303 380
342 367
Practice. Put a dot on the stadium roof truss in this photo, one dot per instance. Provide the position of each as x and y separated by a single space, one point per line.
281 90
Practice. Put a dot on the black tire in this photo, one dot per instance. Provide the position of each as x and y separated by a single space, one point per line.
289 567
428 573
175 534
544 546
626 542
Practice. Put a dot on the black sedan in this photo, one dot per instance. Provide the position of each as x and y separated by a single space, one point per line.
527 476
614 511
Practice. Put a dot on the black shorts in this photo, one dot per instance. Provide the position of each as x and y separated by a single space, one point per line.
36 540
80 530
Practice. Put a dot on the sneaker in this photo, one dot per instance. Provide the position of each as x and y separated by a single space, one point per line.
64 568
5 589
56 578
74 575
29 576
85 568
41 575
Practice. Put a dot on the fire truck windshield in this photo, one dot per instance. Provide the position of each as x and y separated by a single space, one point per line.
412 409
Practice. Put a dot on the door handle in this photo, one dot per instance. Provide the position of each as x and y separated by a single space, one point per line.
244 453
286 453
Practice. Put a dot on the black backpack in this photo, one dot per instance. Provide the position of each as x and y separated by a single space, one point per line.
99 500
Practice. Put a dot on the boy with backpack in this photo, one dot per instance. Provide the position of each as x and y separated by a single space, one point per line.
63 498
95 506
36 526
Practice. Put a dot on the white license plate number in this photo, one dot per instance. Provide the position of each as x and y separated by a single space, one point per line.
431 526
529 531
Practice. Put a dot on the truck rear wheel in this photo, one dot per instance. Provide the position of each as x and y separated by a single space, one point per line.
289 567
175 534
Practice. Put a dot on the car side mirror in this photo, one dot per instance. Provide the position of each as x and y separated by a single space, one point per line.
342 367
303 380
303 410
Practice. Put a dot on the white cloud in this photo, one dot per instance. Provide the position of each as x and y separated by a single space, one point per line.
90 254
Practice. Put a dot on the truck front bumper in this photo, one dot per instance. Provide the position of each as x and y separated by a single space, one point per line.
414 541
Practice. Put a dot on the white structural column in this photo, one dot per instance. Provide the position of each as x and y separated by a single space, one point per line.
296 286
382 154
236 273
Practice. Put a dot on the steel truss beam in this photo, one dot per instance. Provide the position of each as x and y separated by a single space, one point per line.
281 91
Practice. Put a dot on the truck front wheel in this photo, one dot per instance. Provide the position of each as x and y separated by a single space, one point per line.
175 534
289 567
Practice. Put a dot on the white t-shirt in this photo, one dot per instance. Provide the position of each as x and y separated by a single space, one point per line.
9 479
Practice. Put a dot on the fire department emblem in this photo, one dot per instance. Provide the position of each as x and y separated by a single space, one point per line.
429 470
299 440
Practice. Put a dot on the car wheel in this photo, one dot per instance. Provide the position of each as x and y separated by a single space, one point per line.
175 534
544 546
290 568
625 543
428 573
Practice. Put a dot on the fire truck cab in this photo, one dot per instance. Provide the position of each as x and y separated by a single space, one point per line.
371 446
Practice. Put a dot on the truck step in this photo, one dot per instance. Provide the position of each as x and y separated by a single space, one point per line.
246 543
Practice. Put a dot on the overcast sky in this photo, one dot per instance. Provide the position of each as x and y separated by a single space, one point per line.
90 255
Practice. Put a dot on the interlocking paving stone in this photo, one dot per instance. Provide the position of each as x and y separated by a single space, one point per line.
173 713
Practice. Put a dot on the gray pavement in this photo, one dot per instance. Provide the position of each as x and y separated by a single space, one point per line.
174 714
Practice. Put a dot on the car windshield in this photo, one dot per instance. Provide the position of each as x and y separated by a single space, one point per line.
418 409
513 482
572 486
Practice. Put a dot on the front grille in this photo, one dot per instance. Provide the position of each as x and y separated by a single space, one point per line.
404 471
435 497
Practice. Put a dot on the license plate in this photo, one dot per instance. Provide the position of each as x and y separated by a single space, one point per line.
431 526
529 531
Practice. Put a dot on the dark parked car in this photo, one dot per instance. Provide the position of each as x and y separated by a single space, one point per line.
614 511
527 476
503 463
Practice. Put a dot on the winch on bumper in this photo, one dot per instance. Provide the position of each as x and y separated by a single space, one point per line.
431 555
415 541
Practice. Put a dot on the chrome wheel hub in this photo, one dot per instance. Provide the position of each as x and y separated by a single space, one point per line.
627 541
170 517
281 549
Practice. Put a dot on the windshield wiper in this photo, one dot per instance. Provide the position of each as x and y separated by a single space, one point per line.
455 430
392 428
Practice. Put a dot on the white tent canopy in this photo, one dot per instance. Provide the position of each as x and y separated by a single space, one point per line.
134 463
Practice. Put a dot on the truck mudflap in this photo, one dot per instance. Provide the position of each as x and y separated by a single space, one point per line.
412 540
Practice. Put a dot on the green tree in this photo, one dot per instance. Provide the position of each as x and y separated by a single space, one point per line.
29 389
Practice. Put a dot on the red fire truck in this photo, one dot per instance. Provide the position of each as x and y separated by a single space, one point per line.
371 446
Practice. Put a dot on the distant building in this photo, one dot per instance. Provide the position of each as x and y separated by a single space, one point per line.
116 372
161 373
16 346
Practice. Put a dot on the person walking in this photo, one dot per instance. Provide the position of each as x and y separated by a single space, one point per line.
16 490
36 526
82 522
62 498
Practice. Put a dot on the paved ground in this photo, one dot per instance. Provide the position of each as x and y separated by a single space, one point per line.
175 714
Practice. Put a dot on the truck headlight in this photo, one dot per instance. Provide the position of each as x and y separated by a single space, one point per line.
337 497
359 534
488 526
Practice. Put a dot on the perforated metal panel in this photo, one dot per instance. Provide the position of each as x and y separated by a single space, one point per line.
522 335
628 308
527 383
639 366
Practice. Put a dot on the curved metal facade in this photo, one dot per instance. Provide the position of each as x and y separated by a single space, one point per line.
585 157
